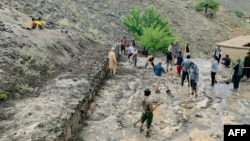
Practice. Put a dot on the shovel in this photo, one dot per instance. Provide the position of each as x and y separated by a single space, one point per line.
229 79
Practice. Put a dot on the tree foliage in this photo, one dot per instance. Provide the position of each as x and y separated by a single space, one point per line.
155 39
212 4
149 28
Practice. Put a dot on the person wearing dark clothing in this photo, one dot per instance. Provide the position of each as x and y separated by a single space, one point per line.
169 60
185 70
133 42
237 74
246 66
147 113
123 45
187 49
145 52
217 53
226 61
178 63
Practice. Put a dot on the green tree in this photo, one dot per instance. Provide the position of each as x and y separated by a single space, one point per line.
155 39
212 4
149 28
133 21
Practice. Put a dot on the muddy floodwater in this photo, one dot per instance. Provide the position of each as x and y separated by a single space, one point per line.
117 106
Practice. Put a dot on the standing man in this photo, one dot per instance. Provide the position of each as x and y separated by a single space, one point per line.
237 74
135 57
217 53
214 69
178 63
131 50
171 47
185 70
246 66
169 60
147 114
123 45
150 59
112 61
158 70
176 49
194 77
187 49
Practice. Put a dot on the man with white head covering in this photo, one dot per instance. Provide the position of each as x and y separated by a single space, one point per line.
112 61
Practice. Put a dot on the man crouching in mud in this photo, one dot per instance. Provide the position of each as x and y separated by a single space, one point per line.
147 113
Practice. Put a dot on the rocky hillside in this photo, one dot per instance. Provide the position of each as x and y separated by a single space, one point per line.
84 28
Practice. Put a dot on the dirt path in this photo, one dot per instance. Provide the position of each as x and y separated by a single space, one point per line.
117 107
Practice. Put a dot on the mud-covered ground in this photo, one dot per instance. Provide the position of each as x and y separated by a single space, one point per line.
117 107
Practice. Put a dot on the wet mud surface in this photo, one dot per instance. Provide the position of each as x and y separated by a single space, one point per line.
112 115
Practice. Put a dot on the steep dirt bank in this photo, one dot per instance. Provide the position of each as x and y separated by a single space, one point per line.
117 107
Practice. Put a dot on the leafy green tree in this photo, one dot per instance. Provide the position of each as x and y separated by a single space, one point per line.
133 21
212 4
149 28
155 39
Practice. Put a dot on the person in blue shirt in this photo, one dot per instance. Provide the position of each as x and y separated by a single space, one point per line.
179 62
158 70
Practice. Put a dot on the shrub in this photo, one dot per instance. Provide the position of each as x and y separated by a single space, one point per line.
25 88
239 14
3 95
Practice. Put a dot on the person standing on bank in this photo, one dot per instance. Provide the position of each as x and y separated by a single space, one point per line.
147 114
214 69
217 53
237 74
194 77
112 61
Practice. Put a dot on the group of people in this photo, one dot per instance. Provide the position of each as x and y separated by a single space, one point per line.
37 23
186 68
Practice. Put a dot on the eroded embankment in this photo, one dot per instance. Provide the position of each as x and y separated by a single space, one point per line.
61 106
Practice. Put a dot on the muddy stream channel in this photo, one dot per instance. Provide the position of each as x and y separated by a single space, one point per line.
116 108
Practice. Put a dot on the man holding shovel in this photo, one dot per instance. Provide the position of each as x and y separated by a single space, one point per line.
147 114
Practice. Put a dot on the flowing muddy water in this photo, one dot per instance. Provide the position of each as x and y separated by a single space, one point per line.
117 107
